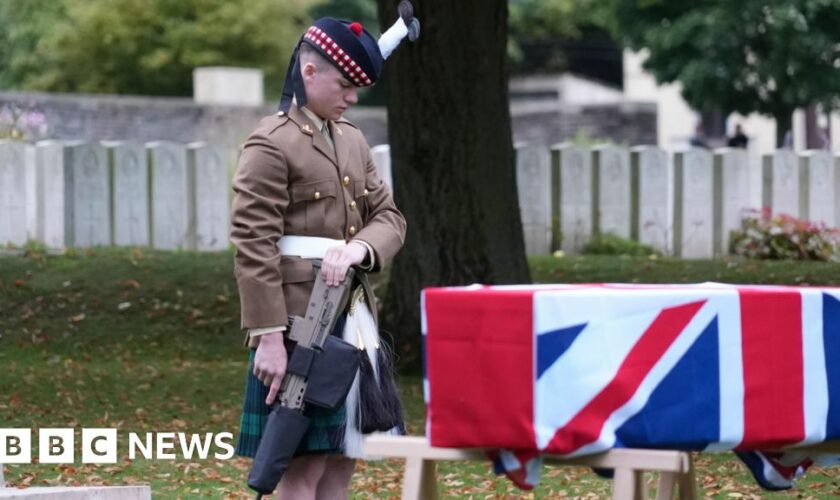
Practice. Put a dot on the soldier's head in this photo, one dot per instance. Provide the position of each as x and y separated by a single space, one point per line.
328 92
335 57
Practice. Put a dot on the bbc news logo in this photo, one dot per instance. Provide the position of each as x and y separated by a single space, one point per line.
100 446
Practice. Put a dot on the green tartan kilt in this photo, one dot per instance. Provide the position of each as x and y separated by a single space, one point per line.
326 428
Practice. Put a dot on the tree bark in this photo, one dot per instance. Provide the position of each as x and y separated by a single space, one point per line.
784 123
813 138
452 159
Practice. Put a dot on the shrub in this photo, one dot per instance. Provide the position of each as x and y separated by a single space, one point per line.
18 123
610 244
781 236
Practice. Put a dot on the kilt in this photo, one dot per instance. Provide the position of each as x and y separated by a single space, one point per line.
326 428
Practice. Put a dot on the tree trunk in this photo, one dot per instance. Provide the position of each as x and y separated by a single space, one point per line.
813 139
784 124
453 160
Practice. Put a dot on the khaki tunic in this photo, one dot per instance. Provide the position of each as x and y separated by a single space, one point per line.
289 181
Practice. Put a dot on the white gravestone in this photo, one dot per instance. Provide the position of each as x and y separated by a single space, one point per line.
50 179
31 193
780 183
209 166
836 159
533 180
143 492
817 188
651 197
13 214
382 159
612 174
693 207
731 194
170 196
88 192
574 166
130 173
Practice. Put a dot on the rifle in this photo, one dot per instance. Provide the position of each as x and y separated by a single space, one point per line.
320 371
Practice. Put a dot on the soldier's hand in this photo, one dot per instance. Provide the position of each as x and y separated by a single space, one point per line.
270 363
339 259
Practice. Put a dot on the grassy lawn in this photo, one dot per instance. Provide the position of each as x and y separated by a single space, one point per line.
148 341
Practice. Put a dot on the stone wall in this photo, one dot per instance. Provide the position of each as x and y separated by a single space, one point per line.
142 119
550 123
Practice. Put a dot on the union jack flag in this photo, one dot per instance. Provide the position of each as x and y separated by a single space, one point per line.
577 369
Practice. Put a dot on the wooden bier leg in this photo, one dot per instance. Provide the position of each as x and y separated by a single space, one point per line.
640 491
419 482
623 484
629 484
667 485
688 486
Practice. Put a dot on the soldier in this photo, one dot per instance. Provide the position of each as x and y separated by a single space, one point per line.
306 187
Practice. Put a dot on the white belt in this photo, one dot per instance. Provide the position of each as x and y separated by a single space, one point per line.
308 247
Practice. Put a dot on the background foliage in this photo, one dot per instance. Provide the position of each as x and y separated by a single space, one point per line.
150 47
145 47
753 55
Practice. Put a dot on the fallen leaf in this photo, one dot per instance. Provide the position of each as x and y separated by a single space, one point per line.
131 284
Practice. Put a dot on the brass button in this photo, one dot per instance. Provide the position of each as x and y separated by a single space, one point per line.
352 230
352 205
346 180
317 195
366 192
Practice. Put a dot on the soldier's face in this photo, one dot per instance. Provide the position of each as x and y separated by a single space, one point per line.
329 94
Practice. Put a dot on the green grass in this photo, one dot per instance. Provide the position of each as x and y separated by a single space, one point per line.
149 341
623 269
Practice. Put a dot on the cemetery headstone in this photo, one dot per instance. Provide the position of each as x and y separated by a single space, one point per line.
818 187
382 159
693 207
612 174
31 193
780 183
87 192
130 172
171 209
13 215
533 183
652 178
211 194
574 207
731 195
51 177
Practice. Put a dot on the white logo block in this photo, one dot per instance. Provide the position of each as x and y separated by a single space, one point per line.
99 446
55 446
15 446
